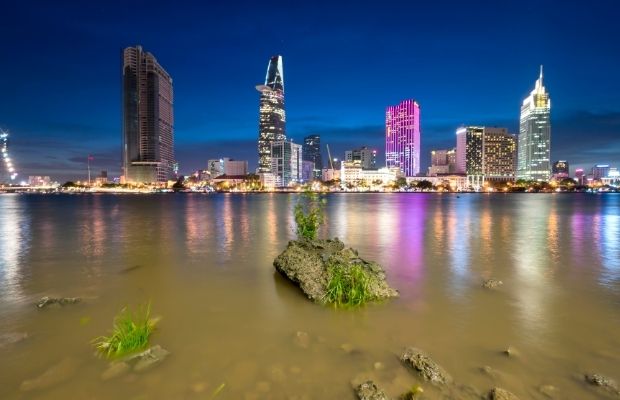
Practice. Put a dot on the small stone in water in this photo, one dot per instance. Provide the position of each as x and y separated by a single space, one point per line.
378 366
115 370
511 351
47 301
549 391
492 283
302 339
501 394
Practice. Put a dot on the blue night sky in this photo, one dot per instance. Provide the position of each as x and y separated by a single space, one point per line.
465 63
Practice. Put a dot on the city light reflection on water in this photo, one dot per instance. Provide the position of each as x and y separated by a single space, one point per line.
205 262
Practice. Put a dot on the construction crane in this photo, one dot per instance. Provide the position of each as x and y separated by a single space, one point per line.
329 154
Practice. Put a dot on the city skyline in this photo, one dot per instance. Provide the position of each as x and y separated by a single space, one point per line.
218 116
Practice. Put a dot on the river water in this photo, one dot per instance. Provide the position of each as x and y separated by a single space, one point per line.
204 262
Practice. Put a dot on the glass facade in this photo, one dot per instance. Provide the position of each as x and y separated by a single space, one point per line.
148 121
311 151
272 117
535 135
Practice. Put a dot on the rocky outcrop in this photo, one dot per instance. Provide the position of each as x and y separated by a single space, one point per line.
501 394
604 383
369 391
306 264
425 366
492 283
48 301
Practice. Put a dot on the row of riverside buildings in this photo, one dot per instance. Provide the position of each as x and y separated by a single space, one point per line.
481 153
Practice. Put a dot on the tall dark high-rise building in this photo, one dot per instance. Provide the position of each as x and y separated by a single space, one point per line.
272 118
148 121
311 151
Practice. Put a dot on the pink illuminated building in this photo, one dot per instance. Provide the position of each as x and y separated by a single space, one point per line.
402 137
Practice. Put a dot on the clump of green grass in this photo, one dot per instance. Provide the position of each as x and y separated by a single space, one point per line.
309 215
348 286
130 333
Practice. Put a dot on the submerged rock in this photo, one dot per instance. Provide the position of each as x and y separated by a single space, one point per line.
55 374
48 301
428 369
148 358
306 264
510 352
10 338
369 391
302 339
115 370
549 390
501 394
492 283
136 362
603 382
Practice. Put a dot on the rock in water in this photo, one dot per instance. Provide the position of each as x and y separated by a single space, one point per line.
429 369
501 394
48 301
56 374
604 382
306 264
369 391
492 283
148 358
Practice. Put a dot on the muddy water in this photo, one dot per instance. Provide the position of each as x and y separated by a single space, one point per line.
205 264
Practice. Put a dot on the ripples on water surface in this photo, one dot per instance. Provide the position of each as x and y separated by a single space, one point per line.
205 263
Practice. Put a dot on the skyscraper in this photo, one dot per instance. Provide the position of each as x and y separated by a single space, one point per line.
535 134
148 121
286 163
402 137
485 153
311 151
272 118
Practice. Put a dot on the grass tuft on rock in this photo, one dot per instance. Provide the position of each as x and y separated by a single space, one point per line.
348 286
309 215
130 333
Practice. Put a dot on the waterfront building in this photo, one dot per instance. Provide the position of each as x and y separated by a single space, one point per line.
485 153
402 137
560 170
535 135
286 163
148 121
443 162
352 173
307 170
367 157
500 155
272 118
580 176
267 180
311 151
36 181
227 166
600 171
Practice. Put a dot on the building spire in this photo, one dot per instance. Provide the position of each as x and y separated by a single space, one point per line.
541 74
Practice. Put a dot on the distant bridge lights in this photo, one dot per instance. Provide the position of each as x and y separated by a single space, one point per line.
4 146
